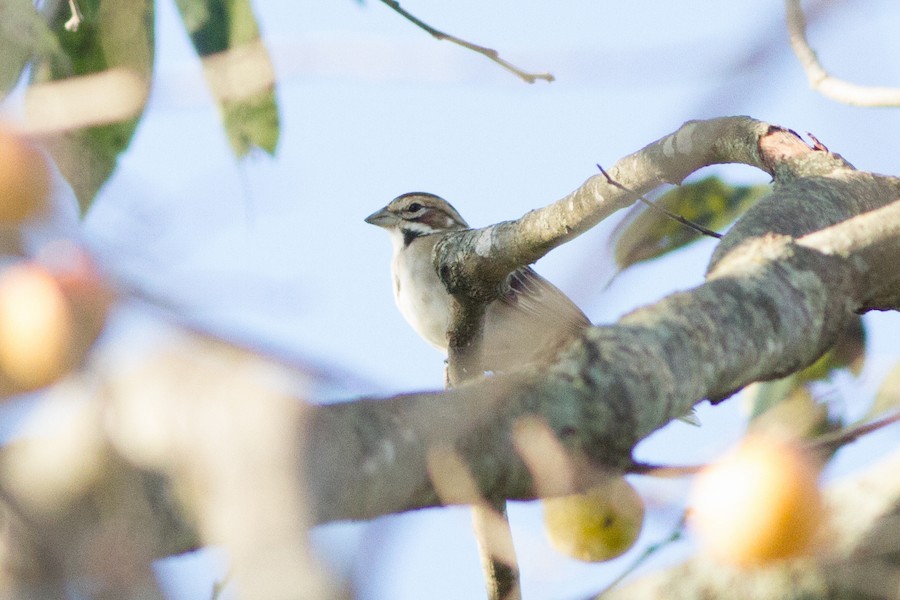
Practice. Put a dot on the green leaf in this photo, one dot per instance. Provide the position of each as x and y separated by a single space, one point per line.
23 35
113 35
709 202
238 70
252 123
789 406
763 396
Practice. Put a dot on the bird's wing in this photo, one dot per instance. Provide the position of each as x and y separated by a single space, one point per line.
530 293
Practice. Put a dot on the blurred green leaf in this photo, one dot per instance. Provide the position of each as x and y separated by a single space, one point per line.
113 35
23 35
766 395
709 202
888 397
238 70
789 406
252 122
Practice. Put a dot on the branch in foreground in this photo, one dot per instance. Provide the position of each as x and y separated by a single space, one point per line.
488 52
772 305
823 82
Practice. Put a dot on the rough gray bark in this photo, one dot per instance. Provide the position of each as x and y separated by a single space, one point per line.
783 283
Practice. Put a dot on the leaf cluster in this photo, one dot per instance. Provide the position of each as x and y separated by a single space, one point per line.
114 35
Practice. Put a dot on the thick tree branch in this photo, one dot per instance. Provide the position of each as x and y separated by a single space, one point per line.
871 240
774 301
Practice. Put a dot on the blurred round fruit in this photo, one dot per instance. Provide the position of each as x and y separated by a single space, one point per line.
36 327
598 525
24 179
760 502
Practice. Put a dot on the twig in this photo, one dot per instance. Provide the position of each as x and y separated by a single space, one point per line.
828 441
488 52
817 145
839 438
663 471
688 223
820 80
219 586
75 20
676 534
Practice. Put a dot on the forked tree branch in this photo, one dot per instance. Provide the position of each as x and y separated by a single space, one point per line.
780 286
819 78
482 258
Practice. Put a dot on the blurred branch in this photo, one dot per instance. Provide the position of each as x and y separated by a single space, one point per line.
488 52
820 80
195 444
833 441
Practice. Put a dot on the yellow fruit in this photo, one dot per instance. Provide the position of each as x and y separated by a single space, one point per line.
598 525
24 179
36 327
759 503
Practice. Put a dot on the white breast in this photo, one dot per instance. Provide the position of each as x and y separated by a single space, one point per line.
421 297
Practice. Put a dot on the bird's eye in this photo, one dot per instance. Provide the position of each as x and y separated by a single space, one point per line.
414 207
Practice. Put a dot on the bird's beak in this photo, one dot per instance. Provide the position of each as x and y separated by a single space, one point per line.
382 218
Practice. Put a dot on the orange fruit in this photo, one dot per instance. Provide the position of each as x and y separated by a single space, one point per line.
36 327
759 503
24 179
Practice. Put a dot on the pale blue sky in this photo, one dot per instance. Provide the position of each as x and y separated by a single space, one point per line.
276 250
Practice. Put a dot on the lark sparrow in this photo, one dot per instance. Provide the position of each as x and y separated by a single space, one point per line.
529 319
